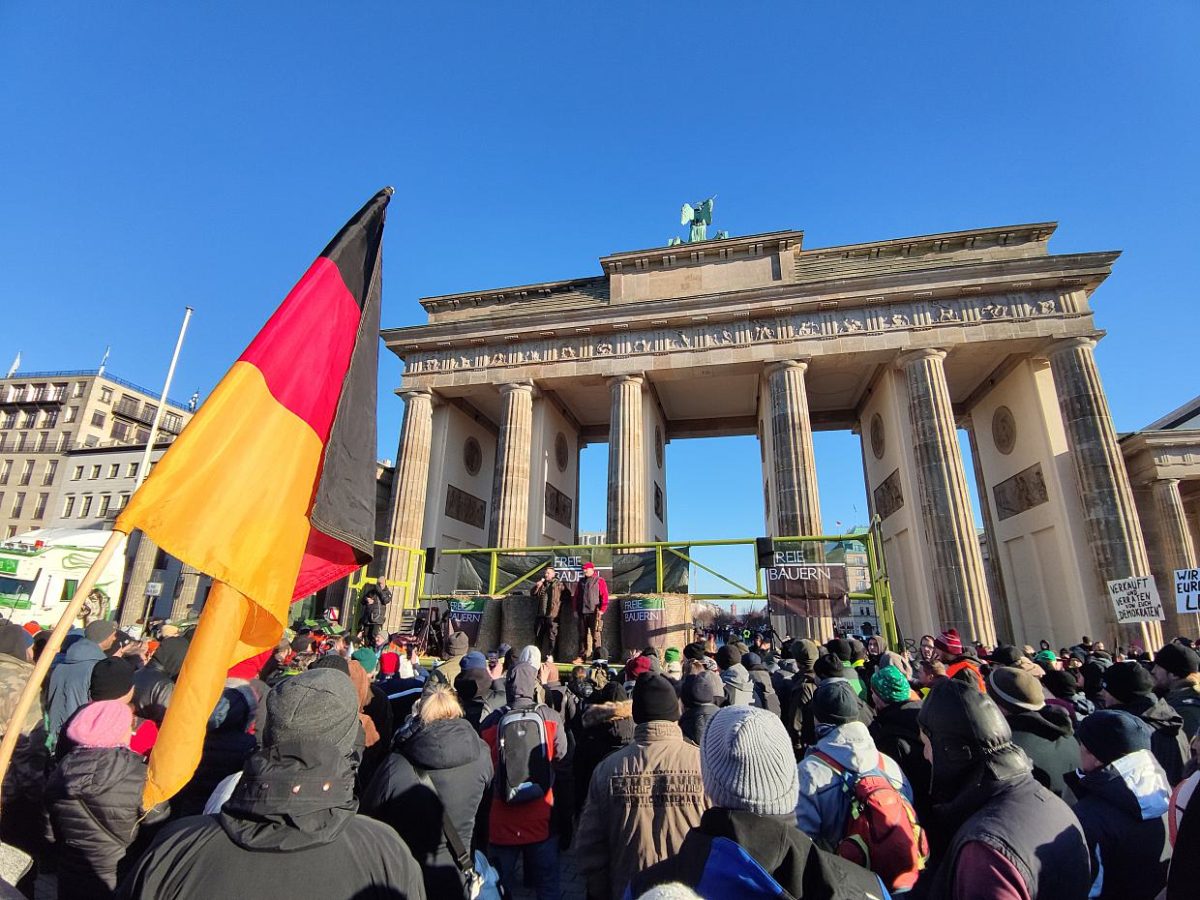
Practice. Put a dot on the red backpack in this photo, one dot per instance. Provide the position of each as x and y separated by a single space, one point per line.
882 832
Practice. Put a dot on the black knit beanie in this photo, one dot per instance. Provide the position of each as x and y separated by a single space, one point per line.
1127 680
654 700
112 678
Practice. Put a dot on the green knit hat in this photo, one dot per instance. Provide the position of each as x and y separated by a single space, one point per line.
368 659
891 685
671 655
1045 656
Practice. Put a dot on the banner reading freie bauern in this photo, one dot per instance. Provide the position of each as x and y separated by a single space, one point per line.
467 614
796 587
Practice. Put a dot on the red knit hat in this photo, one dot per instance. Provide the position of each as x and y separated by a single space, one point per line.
637 666
389 663
949 642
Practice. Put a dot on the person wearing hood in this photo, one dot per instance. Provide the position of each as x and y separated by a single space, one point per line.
476 689
25 779
643 799
522 830
1177 678
458 645
227 745
764 689
1123 797
896 732
698 707
155 681
1128 686
996 833
797 701
292 827
70 678
695 652
844 748
735 680
94 800
1063 690
605 726
435 775
1044 732
750 778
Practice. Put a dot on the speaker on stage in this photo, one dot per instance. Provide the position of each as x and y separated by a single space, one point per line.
765 547
431 560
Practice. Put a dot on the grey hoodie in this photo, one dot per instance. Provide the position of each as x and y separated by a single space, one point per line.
739 689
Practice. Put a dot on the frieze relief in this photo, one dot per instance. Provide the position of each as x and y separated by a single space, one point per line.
814 325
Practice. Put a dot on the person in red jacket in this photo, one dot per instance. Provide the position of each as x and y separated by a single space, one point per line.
522 829
960 665
591 602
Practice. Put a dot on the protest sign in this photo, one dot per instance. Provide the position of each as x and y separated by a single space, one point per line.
1187 590
1136 599
806 588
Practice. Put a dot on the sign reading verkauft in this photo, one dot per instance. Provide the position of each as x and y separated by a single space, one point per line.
1187 590
1136 600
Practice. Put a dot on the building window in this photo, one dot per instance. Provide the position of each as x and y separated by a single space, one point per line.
98 419
114 470
105 503
50 418
122 501
143 435
160 559
64 442
10 420
72 414
27 471
12 531
106 395
39 508
18 506
77 473
51 469
131 470
22 441
95 473
85 508
43 442
60 391
172 422
5 470
77 389
120 430
68 506
29 419
91 441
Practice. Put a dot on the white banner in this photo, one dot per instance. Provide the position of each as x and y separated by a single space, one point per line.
1136 600
1187 590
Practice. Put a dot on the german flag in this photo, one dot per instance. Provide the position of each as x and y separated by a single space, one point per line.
270 489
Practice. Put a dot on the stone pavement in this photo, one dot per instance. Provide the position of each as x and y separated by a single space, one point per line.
571 882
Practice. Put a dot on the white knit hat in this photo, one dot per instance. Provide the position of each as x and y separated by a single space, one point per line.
747 762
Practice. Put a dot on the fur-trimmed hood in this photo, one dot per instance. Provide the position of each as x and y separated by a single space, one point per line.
598 714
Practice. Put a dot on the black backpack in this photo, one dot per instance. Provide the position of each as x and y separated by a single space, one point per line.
524 772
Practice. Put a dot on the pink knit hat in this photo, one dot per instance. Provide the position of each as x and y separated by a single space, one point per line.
103 723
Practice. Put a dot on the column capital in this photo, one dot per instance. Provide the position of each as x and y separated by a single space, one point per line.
912 356
1164 482
414 393
780 365
1079 342
511 386
633 378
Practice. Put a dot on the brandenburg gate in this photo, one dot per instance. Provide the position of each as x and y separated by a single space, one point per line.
906 342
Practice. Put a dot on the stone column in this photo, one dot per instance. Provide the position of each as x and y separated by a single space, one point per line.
133 610
510 488
1109 513
1001 614
626 461
1175 550
409 488
960 588
795 506
189 584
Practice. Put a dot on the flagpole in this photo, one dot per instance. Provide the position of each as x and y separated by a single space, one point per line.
144 468
12 731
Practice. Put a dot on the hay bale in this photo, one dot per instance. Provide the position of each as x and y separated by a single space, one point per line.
489 626
652 620
569 645
518 620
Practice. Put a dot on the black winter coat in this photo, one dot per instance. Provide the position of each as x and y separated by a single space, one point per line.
1123 814
94 799
290 830
897 734
1048 739
227 746
797 711
1169 744
459 765
764 690
694 721
152 690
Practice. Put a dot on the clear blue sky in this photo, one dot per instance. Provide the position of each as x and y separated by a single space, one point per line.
157 155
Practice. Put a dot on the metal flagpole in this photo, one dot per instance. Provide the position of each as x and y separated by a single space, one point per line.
144 468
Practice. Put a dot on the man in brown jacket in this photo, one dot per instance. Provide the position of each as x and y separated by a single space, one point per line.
644 798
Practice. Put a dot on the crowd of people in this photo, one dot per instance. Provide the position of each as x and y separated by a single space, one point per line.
340 766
